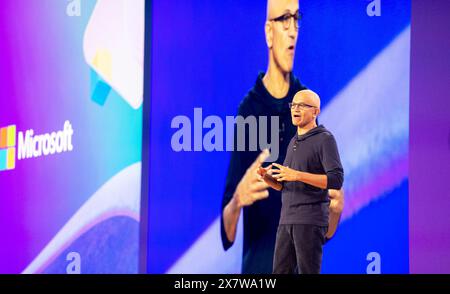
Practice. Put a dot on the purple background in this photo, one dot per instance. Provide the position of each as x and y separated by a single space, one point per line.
429 173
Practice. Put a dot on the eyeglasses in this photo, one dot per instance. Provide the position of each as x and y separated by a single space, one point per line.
302 106
285 19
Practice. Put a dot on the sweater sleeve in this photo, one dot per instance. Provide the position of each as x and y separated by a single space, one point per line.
331 163
236 170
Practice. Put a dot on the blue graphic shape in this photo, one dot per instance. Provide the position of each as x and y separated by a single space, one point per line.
99 89
109 247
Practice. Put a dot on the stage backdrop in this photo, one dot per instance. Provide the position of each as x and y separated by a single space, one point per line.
429 199
355 54
71 83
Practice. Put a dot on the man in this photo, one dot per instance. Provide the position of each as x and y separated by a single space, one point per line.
270 96
312 166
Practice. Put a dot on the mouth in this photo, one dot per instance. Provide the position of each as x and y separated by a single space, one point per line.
296 115
291 49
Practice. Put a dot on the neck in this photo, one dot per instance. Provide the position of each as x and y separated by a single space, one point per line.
303 130
276 81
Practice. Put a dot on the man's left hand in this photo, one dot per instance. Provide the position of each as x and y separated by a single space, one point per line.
285 174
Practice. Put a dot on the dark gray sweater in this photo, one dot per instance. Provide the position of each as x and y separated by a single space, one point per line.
314 152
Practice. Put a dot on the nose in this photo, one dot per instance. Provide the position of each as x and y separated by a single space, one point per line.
292 31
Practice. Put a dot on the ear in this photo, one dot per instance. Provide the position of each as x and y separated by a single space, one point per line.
269 34
316 112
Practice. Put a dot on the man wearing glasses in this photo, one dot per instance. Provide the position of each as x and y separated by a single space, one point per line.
270 96
312 166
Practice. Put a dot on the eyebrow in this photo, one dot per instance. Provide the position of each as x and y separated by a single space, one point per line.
289 11
303 102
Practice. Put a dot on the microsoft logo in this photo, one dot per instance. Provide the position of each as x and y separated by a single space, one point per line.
32 145
8 148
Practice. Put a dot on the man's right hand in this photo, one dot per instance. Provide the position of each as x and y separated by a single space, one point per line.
252 188
266 175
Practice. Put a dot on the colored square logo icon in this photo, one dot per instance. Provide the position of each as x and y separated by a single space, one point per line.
3 137
11 158
11 136
3 158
